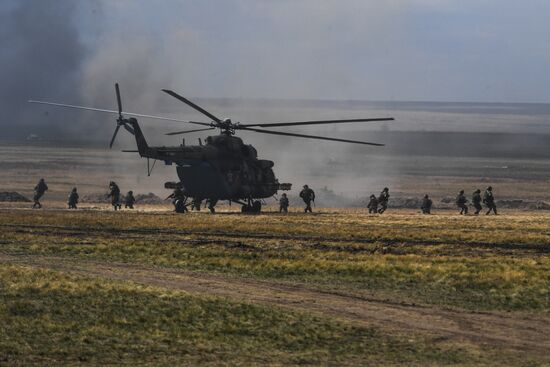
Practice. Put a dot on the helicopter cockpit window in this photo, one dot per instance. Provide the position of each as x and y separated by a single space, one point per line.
209 140
249 151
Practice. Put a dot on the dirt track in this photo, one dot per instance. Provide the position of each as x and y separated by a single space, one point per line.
503 331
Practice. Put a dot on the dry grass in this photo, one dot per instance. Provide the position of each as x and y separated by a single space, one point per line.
467 262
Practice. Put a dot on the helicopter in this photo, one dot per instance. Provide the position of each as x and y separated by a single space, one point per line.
224 168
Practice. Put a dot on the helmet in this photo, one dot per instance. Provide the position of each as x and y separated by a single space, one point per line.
478 191
461 192
284 195
74 188
130 192
490 188
426 196
386 189
305 186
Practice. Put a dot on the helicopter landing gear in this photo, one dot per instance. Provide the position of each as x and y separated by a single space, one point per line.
253 206
196 205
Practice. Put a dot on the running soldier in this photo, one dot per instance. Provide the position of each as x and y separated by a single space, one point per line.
308 196
114 194
373 205
489 201
476 201
73 199
129 200
383 200
426 205
461 202
283 204
39 191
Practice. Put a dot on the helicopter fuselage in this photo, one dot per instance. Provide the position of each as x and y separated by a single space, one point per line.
224 168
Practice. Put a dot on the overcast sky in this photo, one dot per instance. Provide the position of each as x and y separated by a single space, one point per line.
416 50
427 50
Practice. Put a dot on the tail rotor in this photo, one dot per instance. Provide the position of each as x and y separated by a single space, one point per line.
121 121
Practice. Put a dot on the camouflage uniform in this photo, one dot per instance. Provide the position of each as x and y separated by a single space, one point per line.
489 201
461 202
426 205
373 205
383 200
129 200
283 204
39 191
476 201
307 195
114 194
73 199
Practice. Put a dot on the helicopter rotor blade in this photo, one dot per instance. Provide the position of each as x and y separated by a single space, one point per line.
114 136
119 102
189 131
317 122
189 103
310 136
116 112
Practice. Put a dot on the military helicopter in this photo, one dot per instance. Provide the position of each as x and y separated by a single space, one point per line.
224 168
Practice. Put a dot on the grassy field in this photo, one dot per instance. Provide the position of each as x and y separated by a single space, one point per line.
96 287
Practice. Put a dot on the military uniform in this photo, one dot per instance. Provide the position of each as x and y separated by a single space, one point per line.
476 201
489 201
308 196
114 194
461 202
73 199
373 205
129 200
426 205
283 204
383 200
39 191
178 200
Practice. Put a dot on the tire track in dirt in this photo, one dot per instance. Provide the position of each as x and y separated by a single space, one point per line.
503 331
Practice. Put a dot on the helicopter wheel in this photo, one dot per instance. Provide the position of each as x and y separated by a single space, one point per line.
257 206
254 207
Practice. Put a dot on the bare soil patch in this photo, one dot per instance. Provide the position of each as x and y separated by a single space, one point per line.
519 332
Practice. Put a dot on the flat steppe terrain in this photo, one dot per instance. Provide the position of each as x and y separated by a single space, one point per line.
339 287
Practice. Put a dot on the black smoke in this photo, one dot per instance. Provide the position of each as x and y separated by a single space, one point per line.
42 55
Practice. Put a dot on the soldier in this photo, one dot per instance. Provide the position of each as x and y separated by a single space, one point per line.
283 204
476 201
39 191
383 200
426 205
129 200
461 202
489 201
114 194
196 205
178 199
308 196
73 199
373 205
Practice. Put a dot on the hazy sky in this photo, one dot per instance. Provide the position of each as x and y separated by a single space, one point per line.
419 50
428 50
